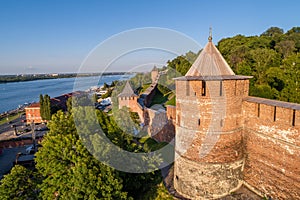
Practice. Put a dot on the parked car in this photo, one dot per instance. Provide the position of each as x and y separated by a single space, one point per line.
45 128
30 149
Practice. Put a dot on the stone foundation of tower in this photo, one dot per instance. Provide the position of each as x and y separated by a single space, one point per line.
196 180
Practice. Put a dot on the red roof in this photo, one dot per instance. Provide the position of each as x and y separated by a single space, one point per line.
34 105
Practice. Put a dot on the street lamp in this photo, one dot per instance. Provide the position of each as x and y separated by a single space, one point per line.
33 134
15 129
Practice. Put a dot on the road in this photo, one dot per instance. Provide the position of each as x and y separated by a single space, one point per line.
8 126
23 129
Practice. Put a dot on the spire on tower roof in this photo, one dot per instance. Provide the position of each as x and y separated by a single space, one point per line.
155 68
210 34
210 62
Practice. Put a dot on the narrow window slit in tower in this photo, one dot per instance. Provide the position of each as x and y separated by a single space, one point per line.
221 122
221 88
203 88
235 87
199 122
258 110
187 88
274 113
294 117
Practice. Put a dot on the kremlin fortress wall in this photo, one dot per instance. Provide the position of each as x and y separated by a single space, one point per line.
224 138
272 147
258 142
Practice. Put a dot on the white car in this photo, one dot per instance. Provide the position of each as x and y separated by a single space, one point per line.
30 149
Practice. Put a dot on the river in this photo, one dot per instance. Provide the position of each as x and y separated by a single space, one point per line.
17 93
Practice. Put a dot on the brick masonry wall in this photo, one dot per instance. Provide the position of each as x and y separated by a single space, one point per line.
33 115
195 180
150 93
212 114
171 113
166 134
272 146
160 125
209 137
157 120
133 105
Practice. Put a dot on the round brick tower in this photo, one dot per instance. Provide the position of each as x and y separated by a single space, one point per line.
154 74
209 144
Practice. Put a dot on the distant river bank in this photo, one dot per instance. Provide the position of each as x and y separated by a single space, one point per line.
17 93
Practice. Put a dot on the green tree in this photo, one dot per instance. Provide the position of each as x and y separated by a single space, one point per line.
286 48
275 78
45 107
42 107
293 30
264 91
140 79
273 31
229 46
180 64
271 58
263 59
116 128
69 170
107 94
20 183
291 69
191 56
69 104
105 86
294 35
114 83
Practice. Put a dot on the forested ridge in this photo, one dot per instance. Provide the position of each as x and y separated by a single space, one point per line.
272 58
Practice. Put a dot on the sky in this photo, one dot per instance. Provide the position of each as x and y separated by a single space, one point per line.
58 36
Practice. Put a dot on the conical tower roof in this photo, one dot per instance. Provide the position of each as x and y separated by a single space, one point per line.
210 62
127 91
155 68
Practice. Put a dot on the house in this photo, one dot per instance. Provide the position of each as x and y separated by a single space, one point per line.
33 113
57 103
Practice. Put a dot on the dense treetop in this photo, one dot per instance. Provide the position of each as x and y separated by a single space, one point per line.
66 169
272 59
